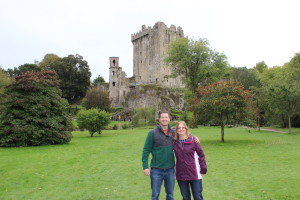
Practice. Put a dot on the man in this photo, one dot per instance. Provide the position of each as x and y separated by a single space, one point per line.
159 143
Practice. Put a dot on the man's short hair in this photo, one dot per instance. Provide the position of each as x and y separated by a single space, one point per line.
160 112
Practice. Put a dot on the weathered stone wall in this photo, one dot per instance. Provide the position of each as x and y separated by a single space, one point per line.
155 96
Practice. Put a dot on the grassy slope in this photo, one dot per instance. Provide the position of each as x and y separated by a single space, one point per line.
256 165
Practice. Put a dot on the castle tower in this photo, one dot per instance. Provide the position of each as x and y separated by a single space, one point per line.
150 46
118 83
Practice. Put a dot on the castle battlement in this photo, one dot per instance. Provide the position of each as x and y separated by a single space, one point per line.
146 30
140 34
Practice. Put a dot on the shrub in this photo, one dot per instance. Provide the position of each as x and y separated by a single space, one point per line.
34 113
125 126
115 127
144 116
97 98
93 120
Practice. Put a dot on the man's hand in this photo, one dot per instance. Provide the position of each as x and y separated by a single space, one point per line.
197 140
147 172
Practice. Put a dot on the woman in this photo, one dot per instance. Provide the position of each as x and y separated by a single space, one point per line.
190 163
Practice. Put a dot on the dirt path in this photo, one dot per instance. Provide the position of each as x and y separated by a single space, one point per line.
273 129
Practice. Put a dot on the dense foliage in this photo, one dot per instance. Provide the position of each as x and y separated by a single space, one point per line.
223 103
34 112
4 81
195 59
93 120
97 98
18 71
144 116
73 72
98 81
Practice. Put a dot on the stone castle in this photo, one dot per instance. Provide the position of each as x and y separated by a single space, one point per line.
150 46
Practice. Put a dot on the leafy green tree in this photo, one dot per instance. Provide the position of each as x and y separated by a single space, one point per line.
224 102
73 72
144 116
248 77
261 66
200 64
34 112
93 120
50 61
4 81
97 98
283 92
98 81
17 71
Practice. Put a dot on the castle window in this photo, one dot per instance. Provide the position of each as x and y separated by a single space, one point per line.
114 62
113 73
113 83
156 80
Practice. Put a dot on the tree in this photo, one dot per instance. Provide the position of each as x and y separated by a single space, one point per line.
248 77
34 112
4 81
222 103
200 64
93 120
261 66
17 71
73 72
50 61
98 81
97 98
283 92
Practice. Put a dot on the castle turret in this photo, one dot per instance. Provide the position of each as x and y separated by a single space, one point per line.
118 83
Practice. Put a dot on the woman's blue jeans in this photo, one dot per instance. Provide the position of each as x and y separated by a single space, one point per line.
157 177
196 187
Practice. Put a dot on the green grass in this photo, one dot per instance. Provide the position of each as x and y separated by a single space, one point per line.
256 165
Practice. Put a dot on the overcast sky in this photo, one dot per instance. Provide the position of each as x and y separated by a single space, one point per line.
246 31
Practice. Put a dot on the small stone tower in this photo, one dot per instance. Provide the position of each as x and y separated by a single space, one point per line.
118 83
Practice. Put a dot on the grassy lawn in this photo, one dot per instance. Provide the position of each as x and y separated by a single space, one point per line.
256 165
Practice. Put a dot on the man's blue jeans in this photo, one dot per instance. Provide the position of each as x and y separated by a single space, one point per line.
196 187
159 175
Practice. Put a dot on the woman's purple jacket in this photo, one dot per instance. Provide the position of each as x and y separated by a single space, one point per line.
190 160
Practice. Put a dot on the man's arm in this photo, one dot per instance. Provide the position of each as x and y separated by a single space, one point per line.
197 140
146 151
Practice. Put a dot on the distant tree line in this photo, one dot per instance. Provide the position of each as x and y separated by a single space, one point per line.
218 93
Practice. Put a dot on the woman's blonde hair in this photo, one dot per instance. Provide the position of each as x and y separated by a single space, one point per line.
186 127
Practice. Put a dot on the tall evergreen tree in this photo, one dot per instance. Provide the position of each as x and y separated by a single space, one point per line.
34 113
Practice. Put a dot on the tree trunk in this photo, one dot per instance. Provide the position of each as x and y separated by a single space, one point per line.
258 123
290 125
222 132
